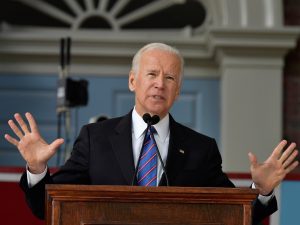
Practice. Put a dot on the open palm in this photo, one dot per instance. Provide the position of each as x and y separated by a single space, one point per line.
33 148
267 175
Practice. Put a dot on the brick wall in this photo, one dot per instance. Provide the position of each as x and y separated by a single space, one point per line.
291 12
291 120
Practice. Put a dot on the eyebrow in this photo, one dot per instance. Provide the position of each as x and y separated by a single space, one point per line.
152 70
157 71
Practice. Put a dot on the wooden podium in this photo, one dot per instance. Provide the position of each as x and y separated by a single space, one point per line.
125 205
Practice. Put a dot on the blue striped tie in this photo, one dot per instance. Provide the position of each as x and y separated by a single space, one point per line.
147 171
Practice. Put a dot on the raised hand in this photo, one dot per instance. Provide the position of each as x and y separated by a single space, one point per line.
33 148
267 175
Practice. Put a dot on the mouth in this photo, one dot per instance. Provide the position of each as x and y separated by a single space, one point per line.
157 97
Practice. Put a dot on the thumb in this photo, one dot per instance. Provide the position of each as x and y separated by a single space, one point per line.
252 159
55 144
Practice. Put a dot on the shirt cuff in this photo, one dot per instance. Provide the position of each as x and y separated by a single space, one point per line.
262 198
33 179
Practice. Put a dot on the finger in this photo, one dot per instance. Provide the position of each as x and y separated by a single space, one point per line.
287 153
55 144
15 129
11 140
290 159
32 123
21 122
252 159
278 150
292 167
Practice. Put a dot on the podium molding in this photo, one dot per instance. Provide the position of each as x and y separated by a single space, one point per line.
133 205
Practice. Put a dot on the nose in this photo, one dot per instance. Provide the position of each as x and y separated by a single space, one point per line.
159 81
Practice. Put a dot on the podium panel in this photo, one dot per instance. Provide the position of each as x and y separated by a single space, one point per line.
125 205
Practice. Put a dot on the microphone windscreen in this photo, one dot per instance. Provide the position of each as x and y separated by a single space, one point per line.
155 119
147 118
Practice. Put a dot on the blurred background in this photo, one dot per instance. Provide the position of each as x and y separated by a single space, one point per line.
241 79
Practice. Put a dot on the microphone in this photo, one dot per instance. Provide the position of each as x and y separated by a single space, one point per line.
150 120
155 119
147 118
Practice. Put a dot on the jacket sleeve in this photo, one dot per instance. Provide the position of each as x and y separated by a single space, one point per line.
35 196
75 171
261 211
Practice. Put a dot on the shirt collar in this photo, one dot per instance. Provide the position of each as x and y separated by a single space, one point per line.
139 126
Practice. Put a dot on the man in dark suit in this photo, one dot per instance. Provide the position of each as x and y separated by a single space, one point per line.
107 153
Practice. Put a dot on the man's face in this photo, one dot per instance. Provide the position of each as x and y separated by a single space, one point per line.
157 82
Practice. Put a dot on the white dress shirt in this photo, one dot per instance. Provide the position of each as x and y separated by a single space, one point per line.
162 138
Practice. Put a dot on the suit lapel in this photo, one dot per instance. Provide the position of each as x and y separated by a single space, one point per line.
176 153
121 142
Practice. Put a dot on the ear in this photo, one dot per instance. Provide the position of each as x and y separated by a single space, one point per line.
177 93
131 81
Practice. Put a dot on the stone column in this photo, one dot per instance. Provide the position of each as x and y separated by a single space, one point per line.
249 44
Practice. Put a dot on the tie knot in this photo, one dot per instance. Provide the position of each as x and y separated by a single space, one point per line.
153 130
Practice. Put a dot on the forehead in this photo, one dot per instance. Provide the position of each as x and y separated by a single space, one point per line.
160 59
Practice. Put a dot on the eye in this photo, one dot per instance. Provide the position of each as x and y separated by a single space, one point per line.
170 77
151 74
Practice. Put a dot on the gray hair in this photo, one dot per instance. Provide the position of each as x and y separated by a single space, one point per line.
160 46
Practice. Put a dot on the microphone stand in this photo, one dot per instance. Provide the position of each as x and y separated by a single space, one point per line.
64 110
161 161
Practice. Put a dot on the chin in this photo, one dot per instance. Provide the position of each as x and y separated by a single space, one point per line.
158 113
157 110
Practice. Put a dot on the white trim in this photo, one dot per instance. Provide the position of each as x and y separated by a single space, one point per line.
118 6
101 10
244 13
10 177
74 6
89 5
102 5
145 11
269 13
241 182
110 53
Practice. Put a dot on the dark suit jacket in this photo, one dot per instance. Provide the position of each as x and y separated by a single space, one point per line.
102 155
